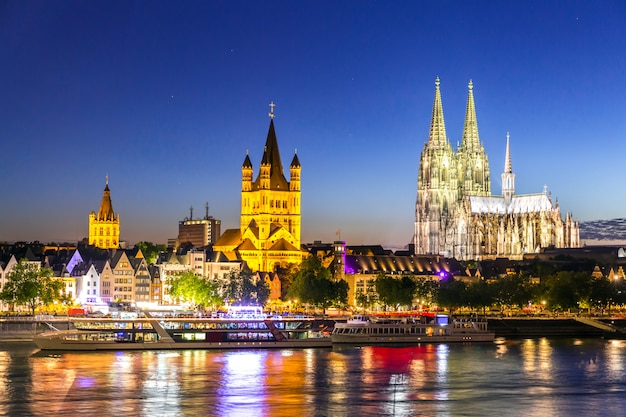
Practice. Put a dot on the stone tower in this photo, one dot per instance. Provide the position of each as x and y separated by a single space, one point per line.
437 186
104 227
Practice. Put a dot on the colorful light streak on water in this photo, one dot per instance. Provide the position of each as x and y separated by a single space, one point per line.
523 378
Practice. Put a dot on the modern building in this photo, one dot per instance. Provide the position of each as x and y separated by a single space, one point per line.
199 232
457 216
269 232
104 226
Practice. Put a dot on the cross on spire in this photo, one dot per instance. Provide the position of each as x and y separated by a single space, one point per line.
271 113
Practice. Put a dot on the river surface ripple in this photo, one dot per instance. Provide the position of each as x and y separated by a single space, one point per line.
533 377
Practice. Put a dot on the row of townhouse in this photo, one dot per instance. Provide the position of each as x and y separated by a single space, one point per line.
96 278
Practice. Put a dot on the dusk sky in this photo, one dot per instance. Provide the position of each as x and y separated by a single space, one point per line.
166 97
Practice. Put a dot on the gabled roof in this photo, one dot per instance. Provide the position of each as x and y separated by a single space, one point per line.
247 245
30 256
528 203
230 237
154 271
217 256
283 245
136 262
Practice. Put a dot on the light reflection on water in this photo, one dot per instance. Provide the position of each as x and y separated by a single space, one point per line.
535 377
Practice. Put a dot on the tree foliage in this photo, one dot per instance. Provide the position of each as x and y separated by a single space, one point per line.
513 290
567 289
452 293
244 288
395 292
198 291
313 284
28 284
150 251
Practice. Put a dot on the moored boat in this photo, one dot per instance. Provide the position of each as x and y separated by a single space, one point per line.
410 330
146 332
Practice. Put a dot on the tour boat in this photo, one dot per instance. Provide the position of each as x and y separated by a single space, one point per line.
410 330
243 329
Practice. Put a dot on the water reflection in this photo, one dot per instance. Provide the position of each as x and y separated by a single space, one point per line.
529 377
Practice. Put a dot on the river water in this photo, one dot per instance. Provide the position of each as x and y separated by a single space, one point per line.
534 377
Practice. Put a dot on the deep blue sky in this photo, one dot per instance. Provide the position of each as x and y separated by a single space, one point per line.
166 97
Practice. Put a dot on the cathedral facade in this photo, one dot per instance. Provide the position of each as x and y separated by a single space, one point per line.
457 216
104 226
270 222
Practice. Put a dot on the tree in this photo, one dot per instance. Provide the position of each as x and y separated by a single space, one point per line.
452 293
395 292
426 290
150 251
286 276
479 295
513 290
313 284
365 299
188 287
244 288
566 289
600 294
30 285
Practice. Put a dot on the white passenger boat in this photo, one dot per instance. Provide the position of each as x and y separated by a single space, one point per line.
410 330
247 330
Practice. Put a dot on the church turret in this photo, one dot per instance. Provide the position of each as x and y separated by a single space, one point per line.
508 177
246 174
294 170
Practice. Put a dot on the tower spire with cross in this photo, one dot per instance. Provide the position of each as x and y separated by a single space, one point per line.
271 113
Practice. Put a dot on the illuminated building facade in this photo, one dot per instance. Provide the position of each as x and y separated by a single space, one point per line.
104 226
456 215
269 232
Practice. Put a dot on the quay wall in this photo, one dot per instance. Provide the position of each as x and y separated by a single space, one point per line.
548 327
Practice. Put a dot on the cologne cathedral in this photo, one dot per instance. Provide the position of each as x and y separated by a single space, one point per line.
457 216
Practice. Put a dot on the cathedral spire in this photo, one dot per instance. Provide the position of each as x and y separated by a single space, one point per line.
437 137
471 141
508 177
508 166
